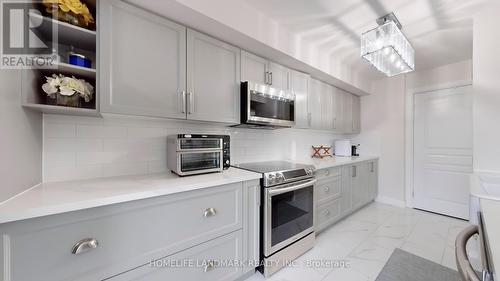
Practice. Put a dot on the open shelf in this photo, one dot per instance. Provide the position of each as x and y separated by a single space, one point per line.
68 34
55 109
78 71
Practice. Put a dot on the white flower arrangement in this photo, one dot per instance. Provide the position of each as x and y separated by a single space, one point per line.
68 86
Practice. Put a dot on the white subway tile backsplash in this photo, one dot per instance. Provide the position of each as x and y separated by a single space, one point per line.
93 131
89 147
60 130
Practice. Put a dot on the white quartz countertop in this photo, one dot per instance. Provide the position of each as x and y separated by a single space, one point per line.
60 197
335 161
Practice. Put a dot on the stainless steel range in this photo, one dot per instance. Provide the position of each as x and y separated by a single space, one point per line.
287 212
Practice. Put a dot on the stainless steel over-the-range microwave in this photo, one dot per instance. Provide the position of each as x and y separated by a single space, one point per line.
190 154
265 106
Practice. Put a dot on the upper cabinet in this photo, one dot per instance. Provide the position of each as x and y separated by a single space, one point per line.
265 72
213 79
327 109
161 73
347 104
300 86
338 110
356 114
143 62
254 68
279 76
314 104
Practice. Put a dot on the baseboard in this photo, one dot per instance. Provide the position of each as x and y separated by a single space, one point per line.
390 201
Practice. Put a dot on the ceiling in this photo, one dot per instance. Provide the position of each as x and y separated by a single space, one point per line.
439 30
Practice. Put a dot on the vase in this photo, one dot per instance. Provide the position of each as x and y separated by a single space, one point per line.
70 101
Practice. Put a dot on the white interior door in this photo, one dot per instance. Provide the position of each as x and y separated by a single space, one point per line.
443 151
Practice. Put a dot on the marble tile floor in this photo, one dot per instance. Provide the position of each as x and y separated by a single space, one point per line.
364 241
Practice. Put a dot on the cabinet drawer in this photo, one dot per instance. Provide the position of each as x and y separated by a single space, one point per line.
328 172
129 234
328 189
327 213
208 261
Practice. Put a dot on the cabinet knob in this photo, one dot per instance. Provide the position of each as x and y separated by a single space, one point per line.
84 245
209 265
210 212
327 189
327 212
327 172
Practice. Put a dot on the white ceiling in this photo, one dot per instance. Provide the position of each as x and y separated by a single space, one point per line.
439 30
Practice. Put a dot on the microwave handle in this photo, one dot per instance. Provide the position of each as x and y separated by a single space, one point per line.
273 192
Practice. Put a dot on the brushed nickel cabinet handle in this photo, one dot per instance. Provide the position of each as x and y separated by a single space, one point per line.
183 102
210 212
354 171
191 102
327 212
84 245
271 78
327 189
327 172
266 77
210 265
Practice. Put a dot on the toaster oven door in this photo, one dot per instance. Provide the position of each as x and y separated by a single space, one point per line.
199 144
198 162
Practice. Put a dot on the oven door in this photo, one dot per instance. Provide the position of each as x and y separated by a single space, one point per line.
288 214
198 162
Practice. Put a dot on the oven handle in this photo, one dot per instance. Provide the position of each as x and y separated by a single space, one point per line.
273 192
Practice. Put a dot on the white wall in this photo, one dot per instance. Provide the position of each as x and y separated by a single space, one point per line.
20 139
383 127
486 87
382 133
87 147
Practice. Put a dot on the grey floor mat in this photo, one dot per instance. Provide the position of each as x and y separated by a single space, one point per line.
404 266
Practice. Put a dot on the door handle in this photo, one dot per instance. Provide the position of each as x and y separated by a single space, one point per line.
334 123
266 78
354 171
183 102
271 76
191 102
309 115
372 167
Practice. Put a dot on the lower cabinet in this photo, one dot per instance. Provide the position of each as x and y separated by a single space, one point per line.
214 260
342 190
99 243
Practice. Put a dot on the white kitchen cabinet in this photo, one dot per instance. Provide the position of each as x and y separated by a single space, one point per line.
327 114
347 104
338 110
300 87
339 191
254 68
142 62
279 76
217 222
356 114
315 88
260 70
213 79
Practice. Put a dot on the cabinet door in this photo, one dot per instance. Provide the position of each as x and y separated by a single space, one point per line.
372 180
356 114
358 184
300 87
213 79
253 68
347 112
346 194
326 107
142 62
279 76
338 110
315 103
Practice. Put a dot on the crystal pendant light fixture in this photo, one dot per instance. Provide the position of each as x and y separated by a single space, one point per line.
387 48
